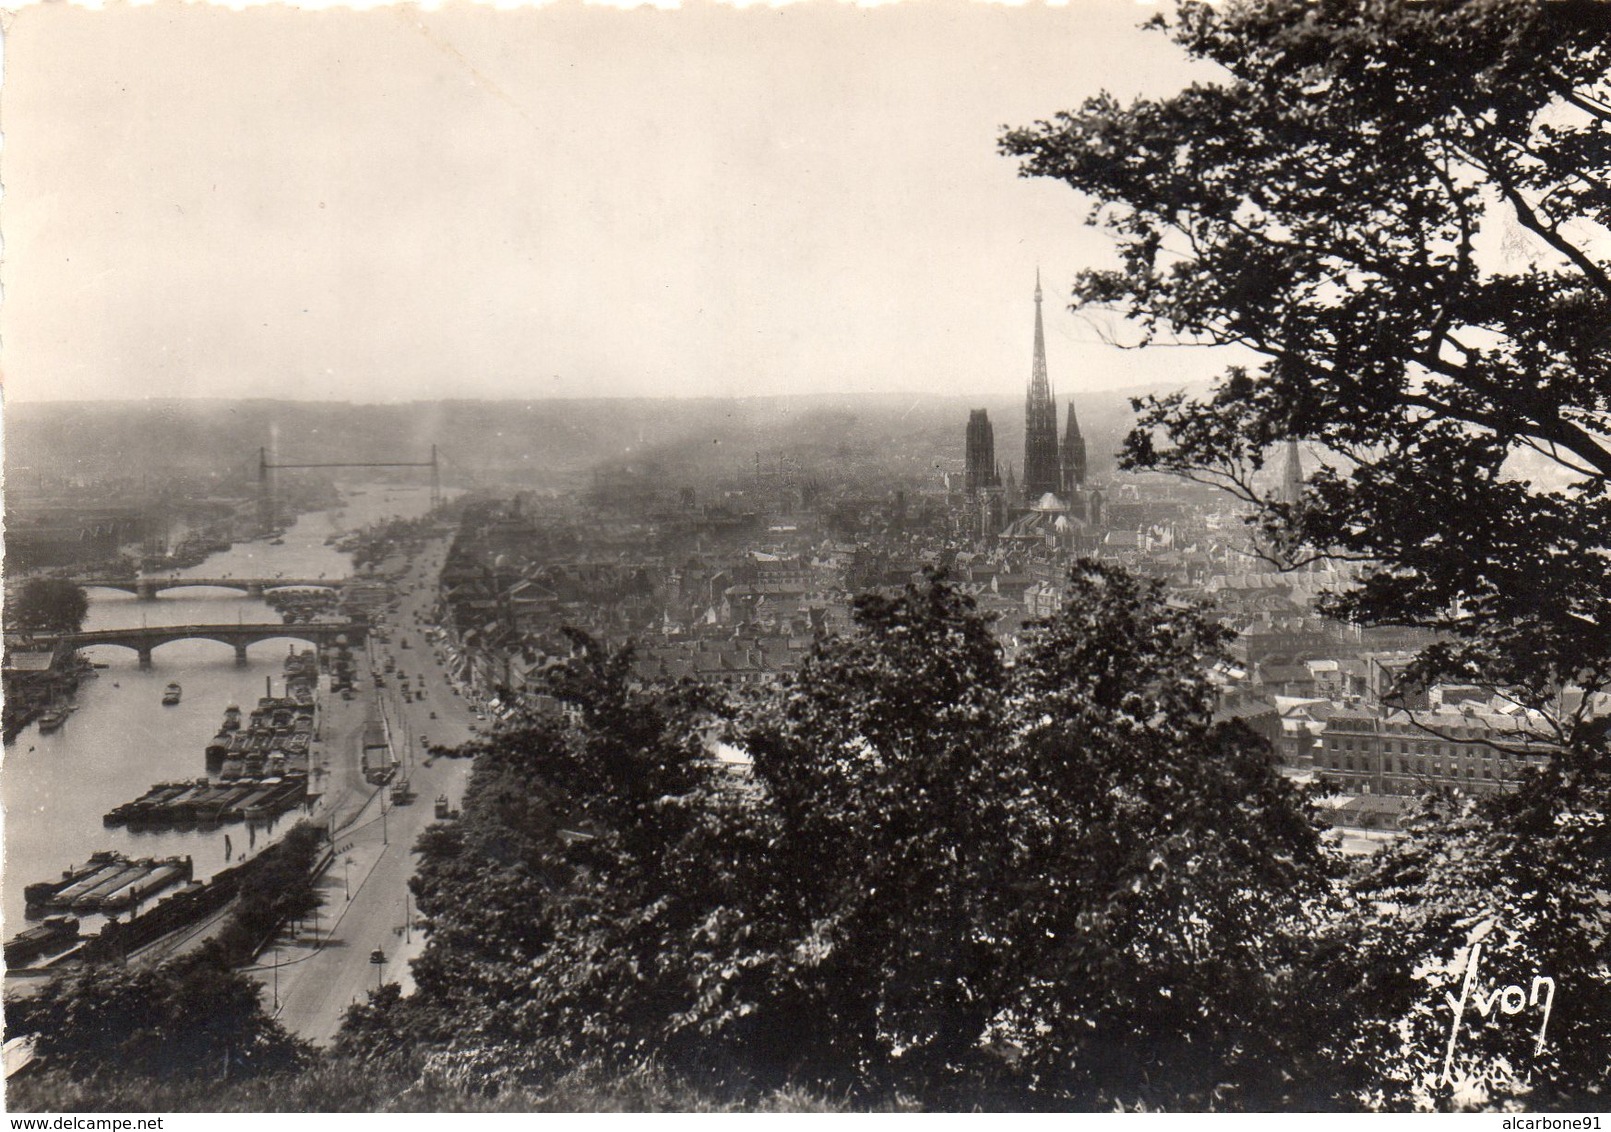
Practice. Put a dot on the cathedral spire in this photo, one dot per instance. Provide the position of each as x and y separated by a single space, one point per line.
1292 475
1041 471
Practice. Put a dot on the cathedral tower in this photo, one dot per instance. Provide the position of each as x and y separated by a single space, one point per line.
981 453
1041 471
1073 455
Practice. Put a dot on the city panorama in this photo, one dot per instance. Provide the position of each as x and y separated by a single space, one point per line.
920 558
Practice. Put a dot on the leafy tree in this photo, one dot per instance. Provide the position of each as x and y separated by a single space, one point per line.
564 908
276 887
1059 884
51 605
1529 902
1165 873
192 1017
885 856
1401 206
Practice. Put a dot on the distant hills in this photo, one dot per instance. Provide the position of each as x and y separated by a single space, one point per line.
541 442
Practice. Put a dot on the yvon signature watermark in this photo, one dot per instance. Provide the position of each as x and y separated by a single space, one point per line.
1510 1000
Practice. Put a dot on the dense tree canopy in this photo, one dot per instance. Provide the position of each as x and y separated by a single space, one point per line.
1402 205
1060 882
1515 888
1066 867
193 1017
51 605
569 910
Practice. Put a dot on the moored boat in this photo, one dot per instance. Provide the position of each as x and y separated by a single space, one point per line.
172 871
91 898
63 898
51 720
40 893
53 934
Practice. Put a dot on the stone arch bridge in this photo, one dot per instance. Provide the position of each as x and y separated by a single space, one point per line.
147 638
147 589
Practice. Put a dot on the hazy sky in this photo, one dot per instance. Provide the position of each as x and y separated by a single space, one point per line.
560 201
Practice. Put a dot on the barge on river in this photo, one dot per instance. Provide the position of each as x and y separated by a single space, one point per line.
55 933
207 803
108 882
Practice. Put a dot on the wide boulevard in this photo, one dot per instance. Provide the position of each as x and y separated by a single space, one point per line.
316 970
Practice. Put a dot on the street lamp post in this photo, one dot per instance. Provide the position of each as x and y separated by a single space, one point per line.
346 875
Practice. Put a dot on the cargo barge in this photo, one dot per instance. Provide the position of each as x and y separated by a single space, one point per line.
109 881
165 875
261 760
38 894
276 737
208 803
55 933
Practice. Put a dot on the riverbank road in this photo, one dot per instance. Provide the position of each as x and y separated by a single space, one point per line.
315 971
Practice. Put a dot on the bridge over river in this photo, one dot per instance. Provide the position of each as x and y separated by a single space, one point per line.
146 638
147 589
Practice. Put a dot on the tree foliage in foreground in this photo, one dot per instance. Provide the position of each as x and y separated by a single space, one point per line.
50 605
1517 884
189 1018
1402 206
1062 881
565 909
1057 883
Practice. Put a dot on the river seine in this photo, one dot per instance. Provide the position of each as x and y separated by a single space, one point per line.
122 739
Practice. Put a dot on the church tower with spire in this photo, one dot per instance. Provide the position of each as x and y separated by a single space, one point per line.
1042 472
1292 476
